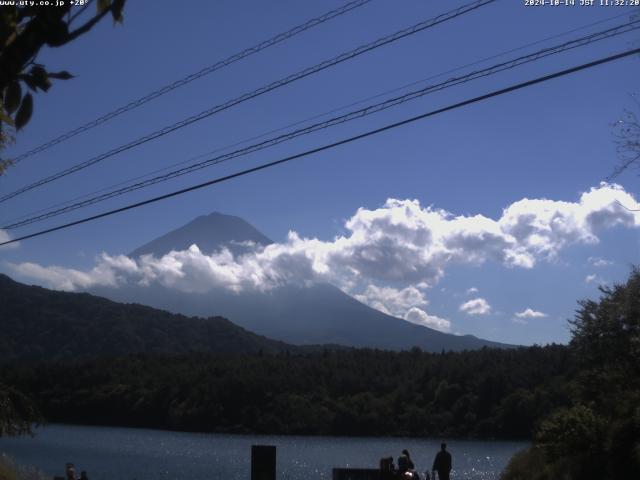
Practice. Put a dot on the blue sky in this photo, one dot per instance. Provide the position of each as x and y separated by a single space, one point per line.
552 141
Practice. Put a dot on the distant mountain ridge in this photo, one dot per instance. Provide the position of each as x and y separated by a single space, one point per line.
210 232
313 315
37 324
300 315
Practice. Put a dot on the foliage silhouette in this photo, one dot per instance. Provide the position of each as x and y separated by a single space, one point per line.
24 30
597 436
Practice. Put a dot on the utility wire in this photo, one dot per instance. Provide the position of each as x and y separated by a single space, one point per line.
344 141
375 108
260 91
308 119
193 76
627 208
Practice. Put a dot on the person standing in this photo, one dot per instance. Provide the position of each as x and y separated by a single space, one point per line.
70 471
442 463
405 463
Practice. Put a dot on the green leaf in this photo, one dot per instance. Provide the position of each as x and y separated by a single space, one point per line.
12 97
6 119
4 164
24 114
40 78
57 33
26 78
116 10
103 5
63 75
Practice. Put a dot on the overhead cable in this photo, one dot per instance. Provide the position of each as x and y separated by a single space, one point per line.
362 112
344 141
308 119
193 76
255 93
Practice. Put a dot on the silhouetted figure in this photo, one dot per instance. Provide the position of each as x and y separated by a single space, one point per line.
83 475
70 471
442 463
387 470
404 462
406 467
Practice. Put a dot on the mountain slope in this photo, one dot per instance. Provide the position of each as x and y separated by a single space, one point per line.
211 232
315 314
37 323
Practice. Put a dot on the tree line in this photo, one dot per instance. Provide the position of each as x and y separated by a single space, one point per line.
484 393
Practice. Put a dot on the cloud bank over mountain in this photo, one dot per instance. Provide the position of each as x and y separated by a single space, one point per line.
401 243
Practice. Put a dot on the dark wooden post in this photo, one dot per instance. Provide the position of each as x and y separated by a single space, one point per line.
263 462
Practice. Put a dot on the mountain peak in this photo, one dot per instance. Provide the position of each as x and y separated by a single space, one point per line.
210 232
216 216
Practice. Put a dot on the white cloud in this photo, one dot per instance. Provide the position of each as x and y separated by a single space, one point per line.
420 317
403 303
530 313
476 306
599 262
521 317
472 290
5 237
543 227
400 243
593 278
59 277
109 271
392 301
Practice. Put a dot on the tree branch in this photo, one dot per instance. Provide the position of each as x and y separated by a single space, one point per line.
87 26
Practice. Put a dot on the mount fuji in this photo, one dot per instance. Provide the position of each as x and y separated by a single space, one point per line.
298 314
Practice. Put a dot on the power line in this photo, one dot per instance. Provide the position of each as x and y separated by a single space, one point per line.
371 109
13 220
194 76
260 91
627 208
345 141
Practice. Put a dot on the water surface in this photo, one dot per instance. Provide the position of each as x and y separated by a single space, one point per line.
137 454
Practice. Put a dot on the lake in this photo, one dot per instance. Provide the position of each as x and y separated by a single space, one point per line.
137 454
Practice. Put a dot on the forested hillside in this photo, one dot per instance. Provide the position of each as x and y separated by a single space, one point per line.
486 393
44 324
